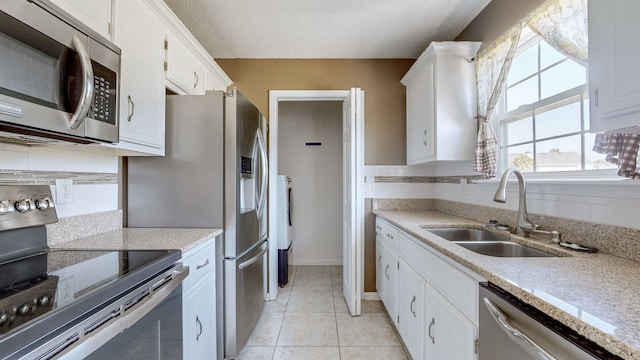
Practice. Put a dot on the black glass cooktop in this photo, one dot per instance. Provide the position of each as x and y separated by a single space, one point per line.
66 284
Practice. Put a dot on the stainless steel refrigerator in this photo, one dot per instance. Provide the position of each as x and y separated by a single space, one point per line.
214 175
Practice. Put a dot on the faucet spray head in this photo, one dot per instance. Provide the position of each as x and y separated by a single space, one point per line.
501 193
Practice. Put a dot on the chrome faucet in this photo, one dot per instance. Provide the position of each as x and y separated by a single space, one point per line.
524 225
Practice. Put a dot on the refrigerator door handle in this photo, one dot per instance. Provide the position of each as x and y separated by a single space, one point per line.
262 193
253 259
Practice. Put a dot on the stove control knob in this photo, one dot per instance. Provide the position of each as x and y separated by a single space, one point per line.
24 309
5 207
23 205
44 203
44 300
4 319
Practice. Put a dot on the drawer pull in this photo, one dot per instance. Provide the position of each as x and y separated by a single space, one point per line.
199 327
411 306
203 265
433 322
390 236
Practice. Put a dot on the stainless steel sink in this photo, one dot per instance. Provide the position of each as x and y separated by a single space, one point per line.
464 234
486 242
503 249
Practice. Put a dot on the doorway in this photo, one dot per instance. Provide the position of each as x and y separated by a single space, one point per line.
352 162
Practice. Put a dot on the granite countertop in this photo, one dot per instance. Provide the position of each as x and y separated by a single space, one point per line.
597 295
143 239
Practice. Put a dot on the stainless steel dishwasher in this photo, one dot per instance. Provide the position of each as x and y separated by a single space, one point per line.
511 329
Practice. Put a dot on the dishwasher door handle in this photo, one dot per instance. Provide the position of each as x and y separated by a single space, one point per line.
515 334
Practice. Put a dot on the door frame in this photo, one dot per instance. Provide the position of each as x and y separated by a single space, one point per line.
275 97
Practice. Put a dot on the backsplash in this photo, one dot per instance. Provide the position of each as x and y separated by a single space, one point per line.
75 227
28 177
615 240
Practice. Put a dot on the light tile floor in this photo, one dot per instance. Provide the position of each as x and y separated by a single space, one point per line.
310 320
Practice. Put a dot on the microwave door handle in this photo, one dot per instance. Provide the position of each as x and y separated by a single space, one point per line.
515 334
87 85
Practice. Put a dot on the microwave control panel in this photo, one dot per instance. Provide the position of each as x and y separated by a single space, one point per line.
104 94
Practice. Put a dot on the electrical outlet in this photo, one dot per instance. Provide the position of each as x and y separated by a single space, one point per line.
463 186
64 191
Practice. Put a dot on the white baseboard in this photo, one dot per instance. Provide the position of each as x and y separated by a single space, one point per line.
316 262
371 296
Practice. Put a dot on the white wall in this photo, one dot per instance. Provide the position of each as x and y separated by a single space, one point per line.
606 202
87 197
316 173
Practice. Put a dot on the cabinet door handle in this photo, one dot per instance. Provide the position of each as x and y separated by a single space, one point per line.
132 107
195 79
411 306
433 322
386 272
203 265
424 138
199 328
596 97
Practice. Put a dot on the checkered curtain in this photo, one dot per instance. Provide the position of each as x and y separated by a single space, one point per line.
492 68
621 150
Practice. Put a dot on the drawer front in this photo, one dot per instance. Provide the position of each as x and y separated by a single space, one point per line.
201 263
457 287
388 232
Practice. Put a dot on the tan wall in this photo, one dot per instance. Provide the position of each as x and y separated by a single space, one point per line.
498 17
379 78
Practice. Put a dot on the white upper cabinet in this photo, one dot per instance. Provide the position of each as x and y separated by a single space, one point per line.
96 14
182 68
441 103
189 68
140 35
614 89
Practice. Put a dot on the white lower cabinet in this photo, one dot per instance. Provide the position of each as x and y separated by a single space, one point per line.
199 303
380 266
431 300
390 281
410 307
449 335
198 321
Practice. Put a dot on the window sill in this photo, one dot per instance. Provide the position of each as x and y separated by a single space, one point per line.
598 177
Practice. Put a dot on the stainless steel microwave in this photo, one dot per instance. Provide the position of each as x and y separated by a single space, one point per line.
58 78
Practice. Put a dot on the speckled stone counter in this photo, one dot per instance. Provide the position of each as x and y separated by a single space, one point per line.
597 295
143 239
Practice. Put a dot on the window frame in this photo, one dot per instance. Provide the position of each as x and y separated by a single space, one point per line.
502 117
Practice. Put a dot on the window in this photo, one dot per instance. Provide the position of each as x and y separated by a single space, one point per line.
543 114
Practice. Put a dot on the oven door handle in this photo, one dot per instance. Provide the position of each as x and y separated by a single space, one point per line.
515 334
87 84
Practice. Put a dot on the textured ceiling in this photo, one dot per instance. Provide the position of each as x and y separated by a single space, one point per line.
323 28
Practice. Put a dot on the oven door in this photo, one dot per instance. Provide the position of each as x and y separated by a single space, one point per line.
158 335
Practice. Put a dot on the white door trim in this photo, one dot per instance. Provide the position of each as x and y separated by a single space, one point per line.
275 96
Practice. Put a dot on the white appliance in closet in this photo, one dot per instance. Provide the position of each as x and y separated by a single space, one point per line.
284 227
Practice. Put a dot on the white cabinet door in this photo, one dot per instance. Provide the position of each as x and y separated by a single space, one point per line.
448 334
614 89
139 34
421 116
183 69
96 14
199 302
441 104
390 282
380 266
410 305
